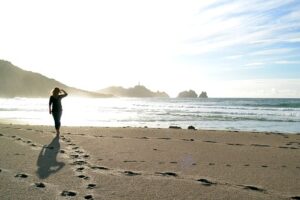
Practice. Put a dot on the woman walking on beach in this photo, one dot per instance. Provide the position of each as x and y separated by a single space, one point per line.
55 107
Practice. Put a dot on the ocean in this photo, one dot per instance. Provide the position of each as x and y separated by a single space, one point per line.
235 114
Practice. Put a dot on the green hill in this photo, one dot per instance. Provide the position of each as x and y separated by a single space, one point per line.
16 82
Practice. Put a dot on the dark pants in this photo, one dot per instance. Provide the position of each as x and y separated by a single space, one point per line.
56 116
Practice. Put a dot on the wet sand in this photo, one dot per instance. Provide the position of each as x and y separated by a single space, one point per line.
143 163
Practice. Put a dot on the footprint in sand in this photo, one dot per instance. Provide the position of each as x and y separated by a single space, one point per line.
74 156
188 140
78 151
79 169
21 175
68 193
283 147
40 185
254 188
83 177
130 173
88 197
143 138
126 161
167 174
79 162
19 154
209 141
235 144
91 186
99 167
260 145
164 138
206 182
117 136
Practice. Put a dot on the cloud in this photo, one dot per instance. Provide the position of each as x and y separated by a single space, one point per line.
119 41
286 62
272 51
254 64
268 88
233 57
254 25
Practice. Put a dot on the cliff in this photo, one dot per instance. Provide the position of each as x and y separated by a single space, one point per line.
136 91
16 82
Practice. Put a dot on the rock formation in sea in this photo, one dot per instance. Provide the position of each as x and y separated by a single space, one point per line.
187 94
203 95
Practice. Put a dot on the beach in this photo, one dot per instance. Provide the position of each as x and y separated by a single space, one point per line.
147 163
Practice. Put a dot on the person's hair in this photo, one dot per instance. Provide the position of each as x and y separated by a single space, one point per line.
55 92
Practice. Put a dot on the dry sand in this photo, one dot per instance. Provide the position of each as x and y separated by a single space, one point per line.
144 163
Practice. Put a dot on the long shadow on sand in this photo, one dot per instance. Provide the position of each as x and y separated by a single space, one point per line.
47 163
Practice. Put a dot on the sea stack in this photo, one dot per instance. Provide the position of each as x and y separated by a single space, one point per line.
203 95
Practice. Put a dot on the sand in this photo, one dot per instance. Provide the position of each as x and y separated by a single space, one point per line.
143 163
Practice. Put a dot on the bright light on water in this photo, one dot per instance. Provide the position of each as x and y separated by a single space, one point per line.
276 115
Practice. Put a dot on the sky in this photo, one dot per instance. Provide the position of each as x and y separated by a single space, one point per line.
229 48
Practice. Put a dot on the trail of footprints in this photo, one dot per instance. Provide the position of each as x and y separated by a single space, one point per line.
289 145
82 164
73 155
79 161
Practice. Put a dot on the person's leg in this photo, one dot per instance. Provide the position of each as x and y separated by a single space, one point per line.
56 117
58 122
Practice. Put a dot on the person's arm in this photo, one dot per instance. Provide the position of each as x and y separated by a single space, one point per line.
50 103
64 93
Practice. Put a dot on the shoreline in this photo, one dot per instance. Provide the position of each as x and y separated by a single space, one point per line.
146 127
146 163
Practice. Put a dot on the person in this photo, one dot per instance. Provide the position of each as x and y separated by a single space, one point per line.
55 107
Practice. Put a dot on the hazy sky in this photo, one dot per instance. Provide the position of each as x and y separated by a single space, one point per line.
242 48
